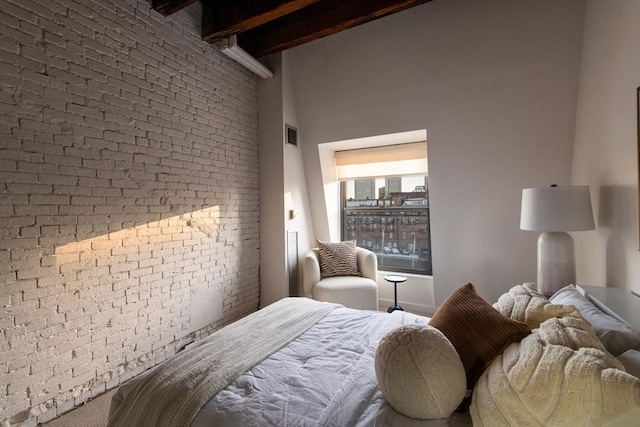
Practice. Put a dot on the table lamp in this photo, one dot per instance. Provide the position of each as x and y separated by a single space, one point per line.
554 211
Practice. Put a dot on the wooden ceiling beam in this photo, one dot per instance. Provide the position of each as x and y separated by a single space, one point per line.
224 18
167 7
316 21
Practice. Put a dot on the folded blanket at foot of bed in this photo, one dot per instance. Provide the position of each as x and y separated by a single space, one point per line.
174 392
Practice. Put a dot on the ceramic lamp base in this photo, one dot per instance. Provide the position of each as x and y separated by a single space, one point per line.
556 261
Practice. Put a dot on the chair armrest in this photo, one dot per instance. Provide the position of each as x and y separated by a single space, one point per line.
367 264
310 271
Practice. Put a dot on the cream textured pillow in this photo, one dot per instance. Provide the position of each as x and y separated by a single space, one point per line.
338 259
554 377
419 372
525 304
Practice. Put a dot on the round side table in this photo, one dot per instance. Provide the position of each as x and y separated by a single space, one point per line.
395 279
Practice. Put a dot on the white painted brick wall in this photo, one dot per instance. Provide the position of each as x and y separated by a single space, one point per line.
128 197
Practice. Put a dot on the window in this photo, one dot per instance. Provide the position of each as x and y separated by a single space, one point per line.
389 205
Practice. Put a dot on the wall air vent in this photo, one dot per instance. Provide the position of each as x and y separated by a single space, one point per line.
291 135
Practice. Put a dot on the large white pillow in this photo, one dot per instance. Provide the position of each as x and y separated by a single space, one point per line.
616 336
554 378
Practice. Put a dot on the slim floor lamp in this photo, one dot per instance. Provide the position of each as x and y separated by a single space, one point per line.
554 211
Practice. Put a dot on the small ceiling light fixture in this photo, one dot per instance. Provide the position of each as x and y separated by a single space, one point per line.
232 50
554 211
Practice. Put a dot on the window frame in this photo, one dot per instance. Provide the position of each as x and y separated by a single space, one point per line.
384 225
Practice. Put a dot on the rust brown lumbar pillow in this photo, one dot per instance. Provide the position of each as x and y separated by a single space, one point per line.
478 331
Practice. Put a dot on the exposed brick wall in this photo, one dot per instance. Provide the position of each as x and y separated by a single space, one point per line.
129 217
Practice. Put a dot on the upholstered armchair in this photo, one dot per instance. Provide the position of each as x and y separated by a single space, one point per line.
359 292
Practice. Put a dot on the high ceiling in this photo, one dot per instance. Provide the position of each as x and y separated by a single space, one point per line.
263 27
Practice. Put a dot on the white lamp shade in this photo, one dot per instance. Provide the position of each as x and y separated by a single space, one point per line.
556 209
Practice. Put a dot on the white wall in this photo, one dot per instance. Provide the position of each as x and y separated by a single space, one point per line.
295 183
605 153
282 182
495 85
273 261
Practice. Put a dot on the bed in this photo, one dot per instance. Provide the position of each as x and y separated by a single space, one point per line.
299 362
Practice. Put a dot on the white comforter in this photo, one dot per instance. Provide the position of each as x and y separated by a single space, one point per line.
325 377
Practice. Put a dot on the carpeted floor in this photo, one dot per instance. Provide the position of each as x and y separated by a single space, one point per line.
94 413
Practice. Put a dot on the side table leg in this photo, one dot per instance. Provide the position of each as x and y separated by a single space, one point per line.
395 294
395 305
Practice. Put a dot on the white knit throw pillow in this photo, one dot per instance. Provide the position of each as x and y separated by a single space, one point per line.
419 372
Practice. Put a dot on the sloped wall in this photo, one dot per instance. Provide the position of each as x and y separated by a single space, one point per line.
605 151
129 207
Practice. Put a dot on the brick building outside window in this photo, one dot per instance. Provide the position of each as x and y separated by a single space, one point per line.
390 216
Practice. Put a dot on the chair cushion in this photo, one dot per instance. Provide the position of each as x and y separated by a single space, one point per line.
338 259
350 291
341 283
